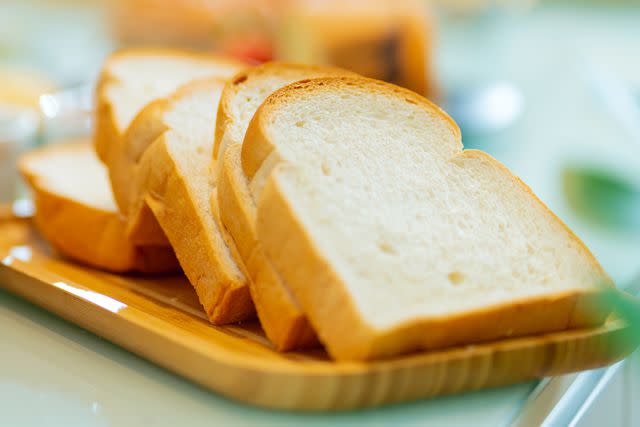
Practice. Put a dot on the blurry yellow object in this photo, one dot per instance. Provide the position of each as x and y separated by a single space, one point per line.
20 87
201 24
385 39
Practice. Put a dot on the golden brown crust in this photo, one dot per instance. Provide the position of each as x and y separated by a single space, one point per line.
257 146
236 216
481 155
96 238
89 234
324 298
146 127
310 277
223 116
106 132
109 137
197 237
274 68
323 294
282 319
223 293
143 229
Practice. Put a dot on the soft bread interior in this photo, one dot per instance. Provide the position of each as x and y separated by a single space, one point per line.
190 120
173 180
138 77
76 213
130 80
191 123
73 171
413 227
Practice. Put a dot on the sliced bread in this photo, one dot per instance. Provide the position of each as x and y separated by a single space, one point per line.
280 315
130 79
172 178
394 239
76 213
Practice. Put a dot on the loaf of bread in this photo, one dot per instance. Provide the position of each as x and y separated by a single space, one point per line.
392 238
76 213
172 142
280 315
130 79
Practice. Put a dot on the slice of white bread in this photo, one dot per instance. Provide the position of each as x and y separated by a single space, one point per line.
130 79
280 315
173 180
392 238
76 213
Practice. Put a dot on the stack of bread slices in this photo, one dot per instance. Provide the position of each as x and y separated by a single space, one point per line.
343 211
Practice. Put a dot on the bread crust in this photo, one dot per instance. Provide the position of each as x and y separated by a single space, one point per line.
146 127
481 155
197 237
109 137
281 317
87 234
274 68
106 132
106 128
322 292
256 147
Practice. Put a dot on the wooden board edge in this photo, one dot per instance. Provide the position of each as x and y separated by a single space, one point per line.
289 390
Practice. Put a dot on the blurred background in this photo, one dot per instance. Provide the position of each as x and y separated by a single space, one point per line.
551 88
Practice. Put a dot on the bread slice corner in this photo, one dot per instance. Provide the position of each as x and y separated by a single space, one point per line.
131 78
76 213
247 89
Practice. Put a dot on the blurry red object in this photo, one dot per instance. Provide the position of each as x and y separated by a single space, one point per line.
385 39
219 25
252 49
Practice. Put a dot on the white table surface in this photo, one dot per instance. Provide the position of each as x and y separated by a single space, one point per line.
53 373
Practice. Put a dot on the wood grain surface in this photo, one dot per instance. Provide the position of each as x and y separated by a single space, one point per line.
161 320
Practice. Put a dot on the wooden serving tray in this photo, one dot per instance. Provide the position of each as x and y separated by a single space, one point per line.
160 319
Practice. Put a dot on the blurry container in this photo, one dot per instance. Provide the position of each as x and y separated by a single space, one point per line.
20 123
67 114
18 130
389 40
